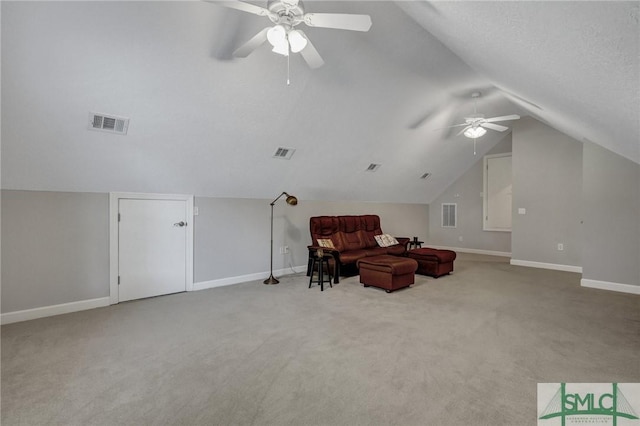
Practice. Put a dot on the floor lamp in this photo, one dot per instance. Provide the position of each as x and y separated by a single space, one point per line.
292 201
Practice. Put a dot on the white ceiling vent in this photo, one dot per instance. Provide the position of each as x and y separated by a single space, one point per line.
108 123
284 153
373 167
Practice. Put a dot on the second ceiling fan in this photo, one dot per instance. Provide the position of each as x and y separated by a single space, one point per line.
284 37
476 125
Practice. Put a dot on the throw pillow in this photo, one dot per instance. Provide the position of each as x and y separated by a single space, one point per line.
325 242
386 240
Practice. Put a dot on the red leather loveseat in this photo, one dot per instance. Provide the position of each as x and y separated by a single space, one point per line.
352 237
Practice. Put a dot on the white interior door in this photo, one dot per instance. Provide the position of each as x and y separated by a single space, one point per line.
152 247
498 178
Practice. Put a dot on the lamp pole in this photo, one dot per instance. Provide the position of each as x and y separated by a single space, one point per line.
291 200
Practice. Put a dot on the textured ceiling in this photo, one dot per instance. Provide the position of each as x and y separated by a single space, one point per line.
207 124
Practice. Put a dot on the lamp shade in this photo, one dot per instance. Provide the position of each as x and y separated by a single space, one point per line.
296 41
291 200
474 132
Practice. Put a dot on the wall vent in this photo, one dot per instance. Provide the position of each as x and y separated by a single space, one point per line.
449 215
108 123
284 153
426 175
373 167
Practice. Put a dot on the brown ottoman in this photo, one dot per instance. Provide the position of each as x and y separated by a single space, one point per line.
387 272
433 262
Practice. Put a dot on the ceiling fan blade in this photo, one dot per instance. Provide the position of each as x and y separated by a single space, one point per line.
245 7
449 127
503 118
310 54
340 21
421 120
492 126
251 45
463 130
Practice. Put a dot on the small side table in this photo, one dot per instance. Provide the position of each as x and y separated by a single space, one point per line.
320 261
415 243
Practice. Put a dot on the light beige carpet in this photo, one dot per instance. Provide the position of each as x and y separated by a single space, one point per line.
465 349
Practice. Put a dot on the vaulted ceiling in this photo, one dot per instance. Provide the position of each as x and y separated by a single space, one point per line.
204 123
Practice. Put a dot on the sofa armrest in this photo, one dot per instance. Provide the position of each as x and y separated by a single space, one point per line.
333 252
403 241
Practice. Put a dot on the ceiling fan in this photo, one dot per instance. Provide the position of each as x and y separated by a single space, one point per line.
476 125
283 36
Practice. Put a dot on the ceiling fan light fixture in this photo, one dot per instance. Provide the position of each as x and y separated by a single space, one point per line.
277 36
296 41
281 49
474 132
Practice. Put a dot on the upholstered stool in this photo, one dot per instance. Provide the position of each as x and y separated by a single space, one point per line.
387 272
320 262
433 262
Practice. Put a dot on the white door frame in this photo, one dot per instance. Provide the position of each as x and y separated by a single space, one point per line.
114 199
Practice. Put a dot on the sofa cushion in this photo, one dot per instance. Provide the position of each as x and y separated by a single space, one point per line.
370 227
397 250
351 256
376 251
350 240
325 227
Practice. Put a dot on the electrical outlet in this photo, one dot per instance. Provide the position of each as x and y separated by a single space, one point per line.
284 249
560 246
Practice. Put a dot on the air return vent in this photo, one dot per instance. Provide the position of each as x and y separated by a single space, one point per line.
108 123
284 153
373 167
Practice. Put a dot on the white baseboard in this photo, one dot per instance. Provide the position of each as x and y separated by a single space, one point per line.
48 311
203 285
542 265
604 285
82 305
474 251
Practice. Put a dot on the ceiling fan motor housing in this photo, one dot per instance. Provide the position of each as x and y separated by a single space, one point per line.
283 13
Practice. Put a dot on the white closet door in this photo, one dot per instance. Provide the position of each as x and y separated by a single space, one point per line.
498 193
152 255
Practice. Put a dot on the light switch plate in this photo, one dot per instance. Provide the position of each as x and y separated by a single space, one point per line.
522 210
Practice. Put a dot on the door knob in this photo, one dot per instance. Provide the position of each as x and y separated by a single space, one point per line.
181 224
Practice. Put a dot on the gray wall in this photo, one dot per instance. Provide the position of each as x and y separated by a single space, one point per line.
55 248
547 182
611 211
55 245
232 235
467 193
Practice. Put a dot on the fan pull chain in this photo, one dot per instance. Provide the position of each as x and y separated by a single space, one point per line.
288 82
474 146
